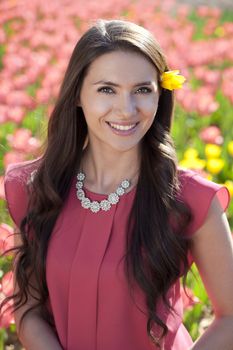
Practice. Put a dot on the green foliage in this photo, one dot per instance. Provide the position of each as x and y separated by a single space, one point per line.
185 132
199 23
2 52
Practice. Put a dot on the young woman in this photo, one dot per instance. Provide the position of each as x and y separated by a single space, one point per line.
108 222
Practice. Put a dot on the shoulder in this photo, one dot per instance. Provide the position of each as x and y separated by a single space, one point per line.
199 193
16 179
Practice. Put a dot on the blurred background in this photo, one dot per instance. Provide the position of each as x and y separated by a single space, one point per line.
36 40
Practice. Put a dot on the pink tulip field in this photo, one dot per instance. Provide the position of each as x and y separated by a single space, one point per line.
36 41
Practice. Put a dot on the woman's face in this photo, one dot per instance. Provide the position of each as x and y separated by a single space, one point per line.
119 98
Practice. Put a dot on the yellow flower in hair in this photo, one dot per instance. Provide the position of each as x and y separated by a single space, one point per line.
171 80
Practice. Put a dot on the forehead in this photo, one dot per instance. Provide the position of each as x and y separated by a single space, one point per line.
119 66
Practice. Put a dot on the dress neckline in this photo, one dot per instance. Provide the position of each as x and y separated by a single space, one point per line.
103 196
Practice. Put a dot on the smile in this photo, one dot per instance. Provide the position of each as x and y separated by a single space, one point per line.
122 127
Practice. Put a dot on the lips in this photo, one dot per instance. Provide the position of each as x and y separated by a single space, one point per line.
122 131
122 126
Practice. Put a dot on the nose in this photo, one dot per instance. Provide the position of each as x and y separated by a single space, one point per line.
126 105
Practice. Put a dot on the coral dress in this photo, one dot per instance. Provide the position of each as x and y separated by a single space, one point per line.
88 292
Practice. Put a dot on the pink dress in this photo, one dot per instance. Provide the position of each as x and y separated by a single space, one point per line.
88 292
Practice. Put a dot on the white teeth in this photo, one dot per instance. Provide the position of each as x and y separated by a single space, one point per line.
122 127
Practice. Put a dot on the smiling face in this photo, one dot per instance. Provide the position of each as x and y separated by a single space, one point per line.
119 98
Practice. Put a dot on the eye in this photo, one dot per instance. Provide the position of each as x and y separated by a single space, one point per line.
144 90
106 90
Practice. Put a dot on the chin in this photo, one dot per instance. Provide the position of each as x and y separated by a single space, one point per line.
124 148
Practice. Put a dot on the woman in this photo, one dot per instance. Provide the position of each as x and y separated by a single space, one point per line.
108 222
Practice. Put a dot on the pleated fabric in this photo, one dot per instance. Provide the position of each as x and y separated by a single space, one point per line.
89 297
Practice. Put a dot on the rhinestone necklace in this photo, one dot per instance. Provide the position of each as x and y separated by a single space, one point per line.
105 204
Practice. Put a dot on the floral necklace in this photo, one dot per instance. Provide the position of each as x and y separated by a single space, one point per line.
105 204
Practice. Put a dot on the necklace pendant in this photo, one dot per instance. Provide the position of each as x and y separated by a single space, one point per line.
86 203
95 206
79 185
120 191
105 204
125 184
81 176
113 198
80 194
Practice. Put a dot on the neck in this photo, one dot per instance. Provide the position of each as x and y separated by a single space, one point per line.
105 171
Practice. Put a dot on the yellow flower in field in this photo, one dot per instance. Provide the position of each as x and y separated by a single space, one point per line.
190 153
193 163
212 151
209 177
230 148
219 31
214 165
229 185
171 80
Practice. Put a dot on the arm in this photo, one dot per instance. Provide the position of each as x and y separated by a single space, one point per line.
35 333
212 251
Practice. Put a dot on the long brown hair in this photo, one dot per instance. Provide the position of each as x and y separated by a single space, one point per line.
154 251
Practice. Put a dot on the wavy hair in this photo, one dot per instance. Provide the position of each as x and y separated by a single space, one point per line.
155 251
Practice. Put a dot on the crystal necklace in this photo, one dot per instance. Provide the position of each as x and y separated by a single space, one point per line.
105 204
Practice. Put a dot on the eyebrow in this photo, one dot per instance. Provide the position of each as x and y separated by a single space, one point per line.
144 83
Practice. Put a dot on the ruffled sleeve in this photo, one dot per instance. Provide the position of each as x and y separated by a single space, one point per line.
198 193
16 179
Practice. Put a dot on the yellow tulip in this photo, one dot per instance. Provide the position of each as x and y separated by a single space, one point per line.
229 185
230 148
219 31
212 151
193 163
190 153
214 165
171 80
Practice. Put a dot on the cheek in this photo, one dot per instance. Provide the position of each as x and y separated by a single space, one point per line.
149 107
97 108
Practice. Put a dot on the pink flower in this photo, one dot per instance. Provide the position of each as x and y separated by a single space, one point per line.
190 299
6 237
6 87
19 98
211 134
7 283
6 289
13 157
23 141
2 190
206 103
43 95
21 81
19 139
16 114
3 114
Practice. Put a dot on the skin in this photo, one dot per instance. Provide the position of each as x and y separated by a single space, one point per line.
107 157
212 250
106 161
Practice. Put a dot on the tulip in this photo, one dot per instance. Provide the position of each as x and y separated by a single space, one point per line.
230 148
2 190
212 151
13 157
214 165
229 185
193 163
188 299
6 237
191 153
172 80
211 134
